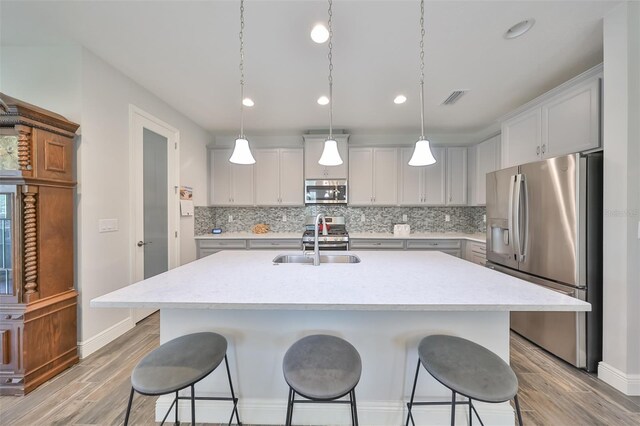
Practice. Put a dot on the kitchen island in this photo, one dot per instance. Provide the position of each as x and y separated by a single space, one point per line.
383 305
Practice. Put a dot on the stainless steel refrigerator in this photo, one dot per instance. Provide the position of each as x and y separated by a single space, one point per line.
544 225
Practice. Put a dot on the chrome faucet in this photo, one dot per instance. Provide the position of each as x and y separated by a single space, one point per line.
316 248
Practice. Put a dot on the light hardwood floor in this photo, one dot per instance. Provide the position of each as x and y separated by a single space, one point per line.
95 391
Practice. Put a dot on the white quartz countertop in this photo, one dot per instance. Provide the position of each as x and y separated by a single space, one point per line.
250 236
359 235
420 236
382 281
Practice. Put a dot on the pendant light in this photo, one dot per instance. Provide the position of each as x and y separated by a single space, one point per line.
422 155
330 155
241 152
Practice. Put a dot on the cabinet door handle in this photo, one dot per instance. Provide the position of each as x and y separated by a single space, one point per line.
376 244
544 148
537 150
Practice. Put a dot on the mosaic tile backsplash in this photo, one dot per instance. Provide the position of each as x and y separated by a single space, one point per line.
377 219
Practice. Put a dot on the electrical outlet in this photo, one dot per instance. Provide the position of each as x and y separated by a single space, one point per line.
284 217
404 218
484 218
362 218
230 218
447 218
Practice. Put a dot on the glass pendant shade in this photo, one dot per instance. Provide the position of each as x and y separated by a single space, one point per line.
422 155
330 155
241 153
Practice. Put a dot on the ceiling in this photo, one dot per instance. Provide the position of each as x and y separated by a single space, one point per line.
187 53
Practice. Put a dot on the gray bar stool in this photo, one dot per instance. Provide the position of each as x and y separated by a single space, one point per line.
322 368
178 364
468 369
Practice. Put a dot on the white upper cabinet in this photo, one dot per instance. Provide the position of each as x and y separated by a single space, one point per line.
571 120
522 136
313 146
232 184
562 121
482 159
279 178
422 185
456 176
373 176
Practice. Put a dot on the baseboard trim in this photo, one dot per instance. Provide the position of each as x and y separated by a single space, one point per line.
92 344
628 384
380 413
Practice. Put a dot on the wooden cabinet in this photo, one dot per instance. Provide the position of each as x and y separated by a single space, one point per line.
313 146
279 177
456 176
482 159
373 176
562 121
38 300
424 185
232 184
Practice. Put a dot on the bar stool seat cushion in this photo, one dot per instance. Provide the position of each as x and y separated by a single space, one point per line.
468 368
179 363
322 367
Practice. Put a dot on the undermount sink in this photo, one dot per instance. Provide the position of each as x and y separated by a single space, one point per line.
324 258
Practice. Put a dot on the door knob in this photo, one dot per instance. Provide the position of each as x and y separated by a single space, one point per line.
142 243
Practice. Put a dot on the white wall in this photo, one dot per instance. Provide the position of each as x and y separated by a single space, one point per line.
621 352
77 84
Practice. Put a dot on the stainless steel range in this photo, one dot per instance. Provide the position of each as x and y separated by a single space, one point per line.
336 238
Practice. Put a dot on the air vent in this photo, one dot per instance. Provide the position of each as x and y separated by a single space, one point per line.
453 97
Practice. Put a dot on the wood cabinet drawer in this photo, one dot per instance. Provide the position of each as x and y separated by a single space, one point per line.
441 245
223 244
373 244
291 244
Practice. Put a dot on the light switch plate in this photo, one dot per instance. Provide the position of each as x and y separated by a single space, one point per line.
404 217
230 218
484 218
284 217
447 218
107 225
362 218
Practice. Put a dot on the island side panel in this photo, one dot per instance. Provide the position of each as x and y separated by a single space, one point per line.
387 342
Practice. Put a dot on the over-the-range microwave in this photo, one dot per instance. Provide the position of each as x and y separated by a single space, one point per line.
325 191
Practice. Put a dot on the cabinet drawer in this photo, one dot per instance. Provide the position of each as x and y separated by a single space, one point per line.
206 252
223 244
478 248
441 245
382 244
456 253
292 244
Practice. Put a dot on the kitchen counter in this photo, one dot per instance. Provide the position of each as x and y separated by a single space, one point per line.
384 306
481 238
377 235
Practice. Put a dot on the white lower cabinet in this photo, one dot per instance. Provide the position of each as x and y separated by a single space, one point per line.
423 185
475 252
373 176
375 244
279 177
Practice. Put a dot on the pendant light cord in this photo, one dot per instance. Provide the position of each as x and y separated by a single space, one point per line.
422 70
241 69
330 72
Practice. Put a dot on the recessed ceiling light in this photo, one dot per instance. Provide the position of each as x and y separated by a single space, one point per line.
248 102
320 33
323 100
520 28
400 99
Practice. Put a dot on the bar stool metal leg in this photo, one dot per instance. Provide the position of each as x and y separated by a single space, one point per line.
515 398
193 406
233 395
470 413
289 407
177 421
453 408
126 418
355 407
413 393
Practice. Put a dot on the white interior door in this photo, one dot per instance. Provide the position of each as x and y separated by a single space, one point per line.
154 172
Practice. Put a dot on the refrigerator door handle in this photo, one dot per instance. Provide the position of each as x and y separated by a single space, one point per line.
516 215
510 215
524 195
